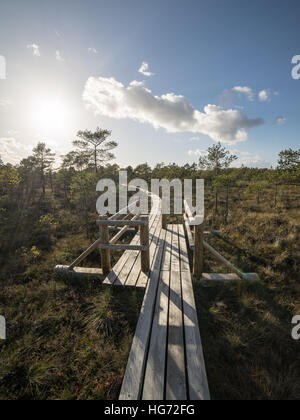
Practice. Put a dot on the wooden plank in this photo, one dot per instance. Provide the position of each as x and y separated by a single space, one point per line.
133 380
130 272
175 379
198 257
189 232
157 241
196 371
113 277
154 381
79 271
129 247
105 253
135 369
145 242
213 277
175 258
166 263
119 223
184 257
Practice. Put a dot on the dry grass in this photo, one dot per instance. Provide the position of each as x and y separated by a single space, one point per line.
71 339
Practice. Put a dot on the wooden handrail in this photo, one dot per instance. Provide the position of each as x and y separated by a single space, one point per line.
193 219
224 260
105 245
123 211
196 242
121 232
120 223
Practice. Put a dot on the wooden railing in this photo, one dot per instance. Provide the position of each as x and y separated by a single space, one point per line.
198 244
122 221
106 245
196 241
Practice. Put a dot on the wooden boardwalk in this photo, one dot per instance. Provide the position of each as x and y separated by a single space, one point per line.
166 359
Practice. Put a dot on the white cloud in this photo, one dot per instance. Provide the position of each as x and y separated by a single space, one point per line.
92 50
174 113
144 69
12 151
35 49
58 56
244 158
264 95
13 133
197 152
250 160
5 103
245 90
279 120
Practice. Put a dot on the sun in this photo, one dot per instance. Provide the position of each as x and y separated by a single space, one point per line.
49 115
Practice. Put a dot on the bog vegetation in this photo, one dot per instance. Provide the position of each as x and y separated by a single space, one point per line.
70 339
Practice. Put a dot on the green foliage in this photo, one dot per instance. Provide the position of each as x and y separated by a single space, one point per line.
217 158
95 146
71 339
9 179
289 160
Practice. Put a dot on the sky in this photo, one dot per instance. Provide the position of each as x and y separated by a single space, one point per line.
169 78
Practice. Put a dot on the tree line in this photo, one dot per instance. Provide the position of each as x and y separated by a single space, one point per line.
36 188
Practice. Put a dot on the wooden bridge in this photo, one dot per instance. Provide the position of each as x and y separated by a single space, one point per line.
166 360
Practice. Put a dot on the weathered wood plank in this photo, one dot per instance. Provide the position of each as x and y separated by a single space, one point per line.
131 269
189 232
166 263
214 278
184 257
154 381
156 242
198 257
196 371
175 379
120 223
129 247
79 271
134 374
113 277
145 242
175 258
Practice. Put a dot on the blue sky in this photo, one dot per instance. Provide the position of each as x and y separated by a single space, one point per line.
221 53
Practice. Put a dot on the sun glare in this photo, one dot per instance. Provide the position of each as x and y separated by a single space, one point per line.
49 115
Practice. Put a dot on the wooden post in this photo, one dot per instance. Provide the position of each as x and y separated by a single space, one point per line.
144 237
164 221
105 253
198 252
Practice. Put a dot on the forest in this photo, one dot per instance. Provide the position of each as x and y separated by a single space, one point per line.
70 338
